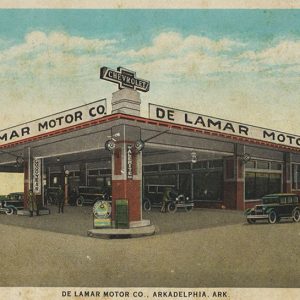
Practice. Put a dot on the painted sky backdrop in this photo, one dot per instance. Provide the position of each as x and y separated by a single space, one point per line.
240 65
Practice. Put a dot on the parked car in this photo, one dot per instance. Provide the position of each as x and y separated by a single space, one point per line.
12 202
88 195
153 197
275 207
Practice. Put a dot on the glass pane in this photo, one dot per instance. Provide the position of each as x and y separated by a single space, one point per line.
151 180
261 164
185 184
250 185
208 185
184 166
274 183
250 164
168 167
261 184
276 166
93 172
153 168
215 163
168 180
200 165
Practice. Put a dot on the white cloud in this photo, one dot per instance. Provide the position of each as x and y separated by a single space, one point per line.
285 52
173 43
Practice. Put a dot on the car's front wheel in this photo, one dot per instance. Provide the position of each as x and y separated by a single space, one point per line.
79 201
147 205
272 217
172 207
9 211
296 215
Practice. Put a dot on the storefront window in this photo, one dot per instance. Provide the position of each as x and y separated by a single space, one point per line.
258 184
208 185
185 184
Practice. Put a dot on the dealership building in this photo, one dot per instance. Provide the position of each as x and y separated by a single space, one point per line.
217 163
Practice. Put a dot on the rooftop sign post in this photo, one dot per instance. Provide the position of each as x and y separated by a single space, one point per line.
124 78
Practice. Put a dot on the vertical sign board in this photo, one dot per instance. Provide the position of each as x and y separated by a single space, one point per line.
129 162
37 176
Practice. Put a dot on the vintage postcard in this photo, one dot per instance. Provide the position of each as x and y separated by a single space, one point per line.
150 150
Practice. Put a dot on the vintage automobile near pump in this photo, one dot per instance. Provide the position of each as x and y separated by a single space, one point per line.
153 197
12 203
275 207
88 195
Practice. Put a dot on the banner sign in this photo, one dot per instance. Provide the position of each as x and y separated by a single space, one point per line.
125 79
54 122
37 176
172 115
129 162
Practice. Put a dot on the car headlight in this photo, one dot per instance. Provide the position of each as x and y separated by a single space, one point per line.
176 198
187 198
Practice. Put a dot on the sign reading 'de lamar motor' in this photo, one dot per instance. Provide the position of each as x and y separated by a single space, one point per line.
54 122
172 115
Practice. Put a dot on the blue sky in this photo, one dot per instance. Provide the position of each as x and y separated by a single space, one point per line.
241 65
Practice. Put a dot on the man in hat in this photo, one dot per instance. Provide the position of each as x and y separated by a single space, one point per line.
32 205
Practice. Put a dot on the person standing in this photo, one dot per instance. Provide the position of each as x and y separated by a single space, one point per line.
32 205
60 200
165 199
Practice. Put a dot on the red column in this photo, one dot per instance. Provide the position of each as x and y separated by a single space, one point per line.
234 183
124 184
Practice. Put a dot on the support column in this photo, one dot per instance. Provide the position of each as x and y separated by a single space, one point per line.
234 180
127 172
287 167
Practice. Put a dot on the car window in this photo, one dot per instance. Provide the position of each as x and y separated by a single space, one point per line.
290 199
270 200
282 200
295 199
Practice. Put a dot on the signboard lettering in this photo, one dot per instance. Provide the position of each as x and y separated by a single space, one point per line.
37 176
129 162
54 122
125 79
224 126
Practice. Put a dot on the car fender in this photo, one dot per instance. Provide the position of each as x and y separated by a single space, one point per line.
248 211
268 210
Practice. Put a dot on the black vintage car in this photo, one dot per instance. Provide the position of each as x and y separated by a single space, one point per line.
88 195
275 207
153 197
12 203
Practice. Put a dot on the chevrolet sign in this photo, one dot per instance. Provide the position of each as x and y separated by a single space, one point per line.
124 78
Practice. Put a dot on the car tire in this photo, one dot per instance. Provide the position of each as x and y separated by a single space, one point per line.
272 219
251 221
296 215
9 211
172 207
188 208
147 205
79 201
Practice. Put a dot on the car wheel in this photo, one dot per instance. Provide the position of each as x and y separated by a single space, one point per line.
9 211
188 208
79 201
251 221
147 205
172 207
272 217
296 215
